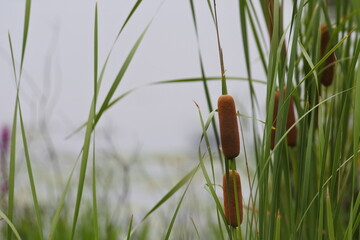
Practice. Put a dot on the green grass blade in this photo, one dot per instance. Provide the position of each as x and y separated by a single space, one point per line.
323 59
205 85
182 80
224 90
12 171
169 194
94 195
278 225
242 7
12 150
329 217
85 155
10 224
137 4
172 191
25 34
31 177
196 229
130 227
309 61
56 217
199 79
92 120
120 75
12 58
177 209
206 175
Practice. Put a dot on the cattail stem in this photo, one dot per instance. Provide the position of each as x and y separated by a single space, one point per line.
222 65
229 131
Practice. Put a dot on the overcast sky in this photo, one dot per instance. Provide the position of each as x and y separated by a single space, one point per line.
57 82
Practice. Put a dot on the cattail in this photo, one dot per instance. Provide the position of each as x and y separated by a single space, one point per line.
292 135
230 200
229 131
327 75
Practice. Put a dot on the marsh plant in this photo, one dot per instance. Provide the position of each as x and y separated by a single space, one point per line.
301 167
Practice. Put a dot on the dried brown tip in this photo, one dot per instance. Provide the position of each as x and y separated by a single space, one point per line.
229 199
229 132
292 135
327 75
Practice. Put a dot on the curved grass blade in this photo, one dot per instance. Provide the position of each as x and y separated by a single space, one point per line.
85 155
92 120
169 194
343 165
94 196
25 33
242 7
55 219
221 56
172 191
13 134
322 60
206 88
11 226
278 227
205 174
130 227
12 171
329 217
177 209
31 178
196 230
12 151
120 75
182 80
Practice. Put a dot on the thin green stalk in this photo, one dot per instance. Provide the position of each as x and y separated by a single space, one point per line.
222 66
95 208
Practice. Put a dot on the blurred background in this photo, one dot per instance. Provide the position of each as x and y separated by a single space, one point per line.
58 70
147 141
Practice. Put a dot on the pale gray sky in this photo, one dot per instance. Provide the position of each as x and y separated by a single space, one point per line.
58 69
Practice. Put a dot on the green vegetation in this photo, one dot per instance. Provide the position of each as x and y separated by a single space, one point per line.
309 190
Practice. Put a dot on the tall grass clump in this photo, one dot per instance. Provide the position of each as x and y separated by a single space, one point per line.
298 163
306 183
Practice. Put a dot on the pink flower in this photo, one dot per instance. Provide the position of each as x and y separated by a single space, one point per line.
5 138
4 187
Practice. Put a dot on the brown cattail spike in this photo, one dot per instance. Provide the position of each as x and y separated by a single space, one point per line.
327 75
229 131
292 135
230 200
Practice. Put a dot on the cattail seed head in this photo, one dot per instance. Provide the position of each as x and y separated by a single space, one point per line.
229 132
230 200
327 75
292 135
